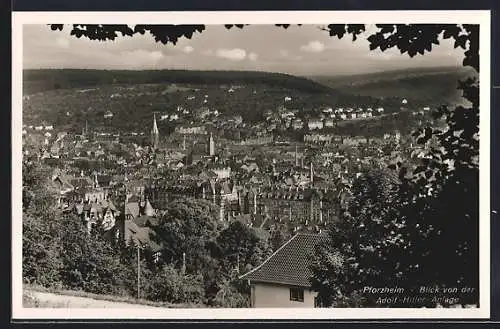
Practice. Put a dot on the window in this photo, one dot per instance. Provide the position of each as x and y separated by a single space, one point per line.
297 294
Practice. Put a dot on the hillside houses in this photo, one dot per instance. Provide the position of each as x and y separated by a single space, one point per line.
314 124
191 130
328 118
259 140
322 138
329 122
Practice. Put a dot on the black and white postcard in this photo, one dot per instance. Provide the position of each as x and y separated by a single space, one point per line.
259 165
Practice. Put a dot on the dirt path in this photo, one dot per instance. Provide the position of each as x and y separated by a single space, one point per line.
50 300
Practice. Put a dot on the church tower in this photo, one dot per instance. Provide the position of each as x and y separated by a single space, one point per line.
155 134
211 145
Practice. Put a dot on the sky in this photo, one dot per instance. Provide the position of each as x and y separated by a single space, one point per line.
300 50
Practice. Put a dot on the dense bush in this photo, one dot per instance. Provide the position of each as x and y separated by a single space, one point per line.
169 285
41 230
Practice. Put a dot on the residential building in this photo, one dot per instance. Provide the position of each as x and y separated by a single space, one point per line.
261 140
191 130
283 280
315 124
297 124
330 122
318 138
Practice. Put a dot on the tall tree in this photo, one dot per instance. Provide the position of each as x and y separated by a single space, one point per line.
240 248
41 227
364 245
89 261
187 227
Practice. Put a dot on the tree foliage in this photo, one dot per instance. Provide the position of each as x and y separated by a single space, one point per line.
41 262
365 244
188 227
169 285
237 249
161 33
240 248
90 262
41 228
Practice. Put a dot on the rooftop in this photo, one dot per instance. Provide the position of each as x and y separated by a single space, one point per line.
289 265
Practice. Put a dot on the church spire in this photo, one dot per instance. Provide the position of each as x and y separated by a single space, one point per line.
155 134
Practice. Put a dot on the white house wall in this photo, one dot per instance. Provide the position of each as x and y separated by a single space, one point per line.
274 295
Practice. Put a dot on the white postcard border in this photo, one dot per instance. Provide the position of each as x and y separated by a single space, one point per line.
481 17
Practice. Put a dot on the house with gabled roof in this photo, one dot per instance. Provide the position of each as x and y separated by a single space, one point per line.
282 280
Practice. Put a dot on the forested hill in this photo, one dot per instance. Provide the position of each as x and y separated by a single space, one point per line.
434 85
41 80
66 97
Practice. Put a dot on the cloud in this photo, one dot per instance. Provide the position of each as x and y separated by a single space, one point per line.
281 53
252 57
390 54
313 47
62 42
155 55
138 58
188 49
236 54
287 55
